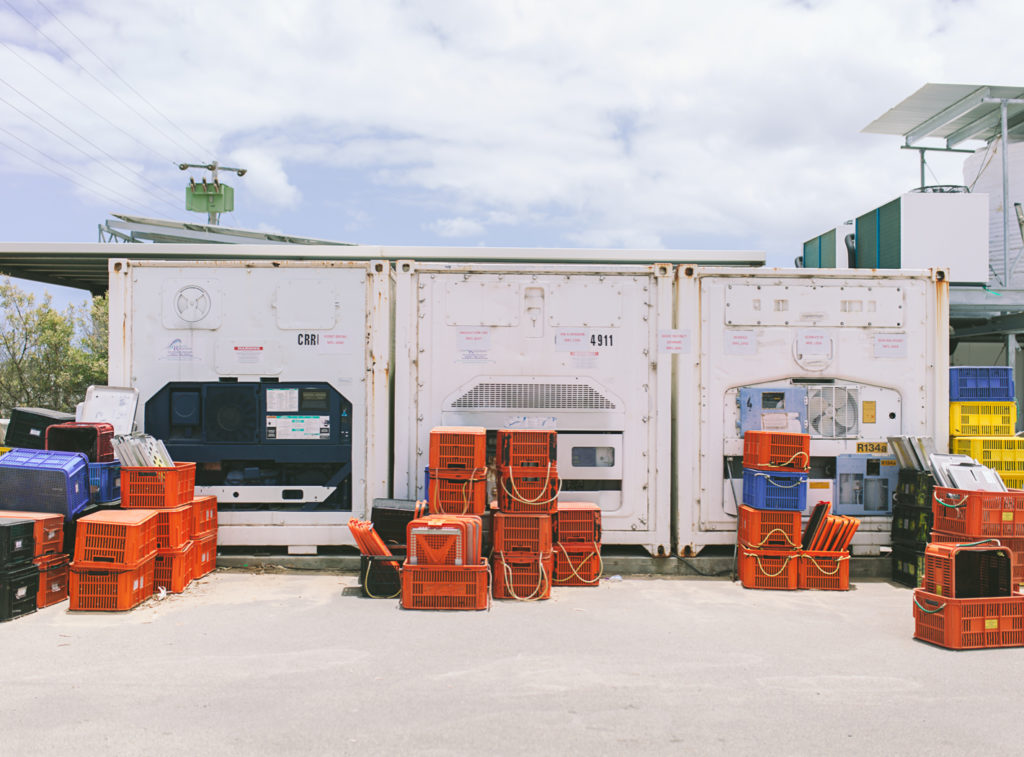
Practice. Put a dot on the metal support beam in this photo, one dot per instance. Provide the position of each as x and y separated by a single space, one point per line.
1006 325
1011 350
988 121
943 117
1006 194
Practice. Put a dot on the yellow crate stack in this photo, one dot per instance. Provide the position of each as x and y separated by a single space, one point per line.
985 431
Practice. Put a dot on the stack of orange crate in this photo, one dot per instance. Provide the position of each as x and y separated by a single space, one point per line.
578 544
49 555
115 557
458 470
443 567
527 487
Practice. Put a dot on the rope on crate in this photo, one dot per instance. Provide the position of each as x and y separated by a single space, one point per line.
951 507
824 572
928 612
514 494
760 567
575 573
780 486
541 575
979 543
366 583
790 461
785 536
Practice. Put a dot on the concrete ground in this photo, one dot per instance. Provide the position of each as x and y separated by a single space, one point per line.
293 663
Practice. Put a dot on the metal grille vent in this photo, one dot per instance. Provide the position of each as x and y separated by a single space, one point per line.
534 396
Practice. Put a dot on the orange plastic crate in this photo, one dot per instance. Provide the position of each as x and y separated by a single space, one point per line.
523 576
1016 546
173 527
776 450
577 522
528 490
204 515
768 528
53 579
577 564
991 573
118 589
457 492
977 514
824 570
158 487
115 538
516 532
458 447
173 568
205 552
769 568
48 532
446 587
526 448
983 623
444 540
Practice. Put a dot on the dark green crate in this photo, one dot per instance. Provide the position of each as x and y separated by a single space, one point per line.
911 526
914 488
907 566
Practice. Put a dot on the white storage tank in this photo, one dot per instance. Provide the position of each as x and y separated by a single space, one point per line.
573 348
850 357
272 376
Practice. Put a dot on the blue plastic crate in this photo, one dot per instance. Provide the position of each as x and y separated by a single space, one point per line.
774 491
105 482
42 481
979 383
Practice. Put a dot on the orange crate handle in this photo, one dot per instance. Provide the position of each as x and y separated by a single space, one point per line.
541 576
940 608
947 505
760 567
801 453
575 573
839 561
785 536
536 500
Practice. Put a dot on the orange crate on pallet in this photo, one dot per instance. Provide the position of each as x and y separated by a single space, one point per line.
1016 546
204 515
982 623
173 568
528 490
516 532
829 571
967 571
577 522
776 451
577 564
115 589
458 447
205 552
769 568
526 448
158 487
444 540
768 528
978 514
53 579
523 576
173 527
457 492
48 531
446 587
115 538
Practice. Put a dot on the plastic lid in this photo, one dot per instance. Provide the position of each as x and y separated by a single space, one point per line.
115 405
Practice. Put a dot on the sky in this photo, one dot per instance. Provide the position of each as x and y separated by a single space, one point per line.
732 125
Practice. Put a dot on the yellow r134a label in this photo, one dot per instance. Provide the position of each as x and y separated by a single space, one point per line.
876 448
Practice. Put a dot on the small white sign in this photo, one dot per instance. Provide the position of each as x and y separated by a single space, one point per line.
890 345
248 354
473 339
282 400
675 340
335 343
813 343
740 343
571 340
298 427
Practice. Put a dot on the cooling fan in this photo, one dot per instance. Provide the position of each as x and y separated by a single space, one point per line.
832 411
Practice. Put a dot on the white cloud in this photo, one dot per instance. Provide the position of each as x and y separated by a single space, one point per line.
456 227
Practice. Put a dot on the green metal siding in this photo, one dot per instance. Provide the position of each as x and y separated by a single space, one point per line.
827 258
878 237
811 254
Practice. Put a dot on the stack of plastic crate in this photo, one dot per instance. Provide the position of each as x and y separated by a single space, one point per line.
115 559
527 486
458 470
44 481
967 600
48 554
983 420
204 534
577 534
444 568
19 576
911 525
775 466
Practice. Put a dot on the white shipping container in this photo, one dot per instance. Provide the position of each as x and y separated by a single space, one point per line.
265 371
576 348
850 357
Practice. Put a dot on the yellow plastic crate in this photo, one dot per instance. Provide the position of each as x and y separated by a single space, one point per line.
5 450
1013 481
982 418
1004 454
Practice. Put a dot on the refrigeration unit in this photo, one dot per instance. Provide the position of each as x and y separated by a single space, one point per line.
848 357
575 348
272 376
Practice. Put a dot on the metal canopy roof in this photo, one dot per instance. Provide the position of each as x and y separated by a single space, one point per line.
138 229
955 113
84 266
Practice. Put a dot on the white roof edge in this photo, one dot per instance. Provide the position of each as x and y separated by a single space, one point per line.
821 273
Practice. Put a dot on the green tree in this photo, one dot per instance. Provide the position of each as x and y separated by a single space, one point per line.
48 358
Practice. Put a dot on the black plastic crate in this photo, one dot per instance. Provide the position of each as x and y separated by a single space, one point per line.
28 425
19 588
907 566
17 541
390 518
911 526
380 577
914 488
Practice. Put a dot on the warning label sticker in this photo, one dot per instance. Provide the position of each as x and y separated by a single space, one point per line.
298 427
